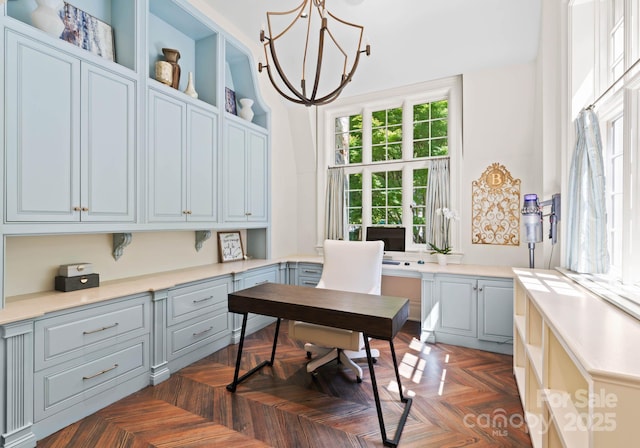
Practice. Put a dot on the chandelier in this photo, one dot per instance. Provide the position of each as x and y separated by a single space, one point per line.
306 27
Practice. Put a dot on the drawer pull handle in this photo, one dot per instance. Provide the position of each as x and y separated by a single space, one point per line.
309 271
100 329
261 283
102 372
203 300
308 282
195 335
83 280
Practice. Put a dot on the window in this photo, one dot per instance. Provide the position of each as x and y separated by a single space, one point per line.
616 33
385 147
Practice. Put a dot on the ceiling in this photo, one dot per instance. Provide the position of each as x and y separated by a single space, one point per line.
415 40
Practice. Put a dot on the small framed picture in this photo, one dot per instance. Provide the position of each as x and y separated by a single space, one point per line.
85 31
230 246
230 101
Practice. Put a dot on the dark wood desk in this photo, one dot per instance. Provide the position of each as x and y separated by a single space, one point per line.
379 317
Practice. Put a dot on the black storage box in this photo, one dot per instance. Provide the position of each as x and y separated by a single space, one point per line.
74 283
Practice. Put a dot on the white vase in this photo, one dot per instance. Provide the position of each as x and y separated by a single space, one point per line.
442 259
46 17
245 109
191 90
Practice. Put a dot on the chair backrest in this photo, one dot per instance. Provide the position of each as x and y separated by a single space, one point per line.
354 266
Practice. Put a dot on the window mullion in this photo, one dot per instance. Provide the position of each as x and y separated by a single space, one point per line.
366 199
407 131
366 136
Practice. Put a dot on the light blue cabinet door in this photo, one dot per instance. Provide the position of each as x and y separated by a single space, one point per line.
108 146
495 310
202 150
166 148
257 177
42 98
457 305
245 176
234 173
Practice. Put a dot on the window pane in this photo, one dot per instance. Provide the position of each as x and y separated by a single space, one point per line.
418 207
421 112
394 116
378 153
439 147
354 205
421 130
421 149
394 134
440 109
355 122
379 198
348 140
355 233
379 118
386 129
394 152
439 128
395 179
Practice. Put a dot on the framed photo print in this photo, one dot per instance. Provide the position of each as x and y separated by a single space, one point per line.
230 246
85 31
230 101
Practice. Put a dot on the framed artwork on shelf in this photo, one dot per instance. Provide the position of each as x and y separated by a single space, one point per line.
230 101
230 246
88 32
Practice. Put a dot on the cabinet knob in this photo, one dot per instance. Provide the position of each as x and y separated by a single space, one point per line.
248 214
76 209
85 209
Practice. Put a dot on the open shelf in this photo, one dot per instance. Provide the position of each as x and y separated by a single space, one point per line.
568 422
240 77
173 26
119 14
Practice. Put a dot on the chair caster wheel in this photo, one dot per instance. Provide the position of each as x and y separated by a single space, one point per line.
358 379
374 360
308 355
314 375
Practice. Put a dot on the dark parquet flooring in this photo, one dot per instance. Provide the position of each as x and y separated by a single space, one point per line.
461 398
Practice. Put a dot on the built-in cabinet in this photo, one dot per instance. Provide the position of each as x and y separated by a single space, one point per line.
86 358
70 133
245 162
575 364
98 145
182 155
475 312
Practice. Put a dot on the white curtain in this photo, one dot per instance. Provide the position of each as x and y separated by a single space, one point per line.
437 198
587 216
334 204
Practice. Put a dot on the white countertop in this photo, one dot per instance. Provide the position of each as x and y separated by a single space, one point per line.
29 306
602 337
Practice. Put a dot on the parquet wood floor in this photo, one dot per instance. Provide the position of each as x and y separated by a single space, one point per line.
461 398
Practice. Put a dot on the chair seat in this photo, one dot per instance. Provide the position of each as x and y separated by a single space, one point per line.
326 336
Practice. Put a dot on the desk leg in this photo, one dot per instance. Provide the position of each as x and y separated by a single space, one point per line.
407 401
232 387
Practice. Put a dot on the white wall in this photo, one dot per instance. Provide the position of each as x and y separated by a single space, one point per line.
498 127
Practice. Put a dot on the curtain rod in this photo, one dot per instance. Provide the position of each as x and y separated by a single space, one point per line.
382 163
592 105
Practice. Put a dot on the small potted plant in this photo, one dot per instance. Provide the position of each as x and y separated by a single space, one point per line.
446 215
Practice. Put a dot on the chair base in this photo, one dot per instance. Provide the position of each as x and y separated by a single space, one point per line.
346 357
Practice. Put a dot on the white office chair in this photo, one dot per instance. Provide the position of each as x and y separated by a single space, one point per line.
354 266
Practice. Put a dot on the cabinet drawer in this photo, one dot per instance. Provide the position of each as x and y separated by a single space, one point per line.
186 337
63 386
309 274
187 302
261 276
64 337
